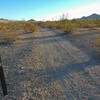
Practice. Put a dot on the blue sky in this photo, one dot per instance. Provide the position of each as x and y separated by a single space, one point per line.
40 9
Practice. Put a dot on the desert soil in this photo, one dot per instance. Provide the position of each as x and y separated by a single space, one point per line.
49 65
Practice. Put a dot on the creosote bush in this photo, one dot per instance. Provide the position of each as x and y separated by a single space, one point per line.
97 43
29 27
7 38
9 30
65 25
71 26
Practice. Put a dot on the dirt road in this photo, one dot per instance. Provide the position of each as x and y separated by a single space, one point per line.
52 66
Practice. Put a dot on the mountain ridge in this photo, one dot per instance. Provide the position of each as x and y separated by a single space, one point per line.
93 16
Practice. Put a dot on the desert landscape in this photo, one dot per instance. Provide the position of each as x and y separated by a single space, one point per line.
50 50
53 60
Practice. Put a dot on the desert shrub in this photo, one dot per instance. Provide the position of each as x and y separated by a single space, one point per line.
97 22
97 43
68 27
9 30
9 26
7 34
18 26
7 38
85 23
43 24
29 27
65 25
52 25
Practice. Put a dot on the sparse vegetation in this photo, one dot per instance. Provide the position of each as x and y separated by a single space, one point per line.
7 38
97 43
64 25
67 26
71 26
29 27
9 30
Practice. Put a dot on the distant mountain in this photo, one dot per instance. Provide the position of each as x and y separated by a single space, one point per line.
93 16
31 20
3 20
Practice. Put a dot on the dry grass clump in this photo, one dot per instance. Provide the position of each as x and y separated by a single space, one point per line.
29 27
87 24
65 25
97 22
92 24
68 28
9 31
71 26
18 26
7 38
97 43
52 25
6 35
48 24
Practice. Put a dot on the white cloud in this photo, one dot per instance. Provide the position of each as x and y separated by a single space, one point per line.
78 12
84 10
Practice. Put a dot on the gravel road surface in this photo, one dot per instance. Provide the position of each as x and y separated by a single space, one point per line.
48 65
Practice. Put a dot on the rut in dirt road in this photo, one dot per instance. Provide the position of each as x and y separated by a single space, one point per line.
52 66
